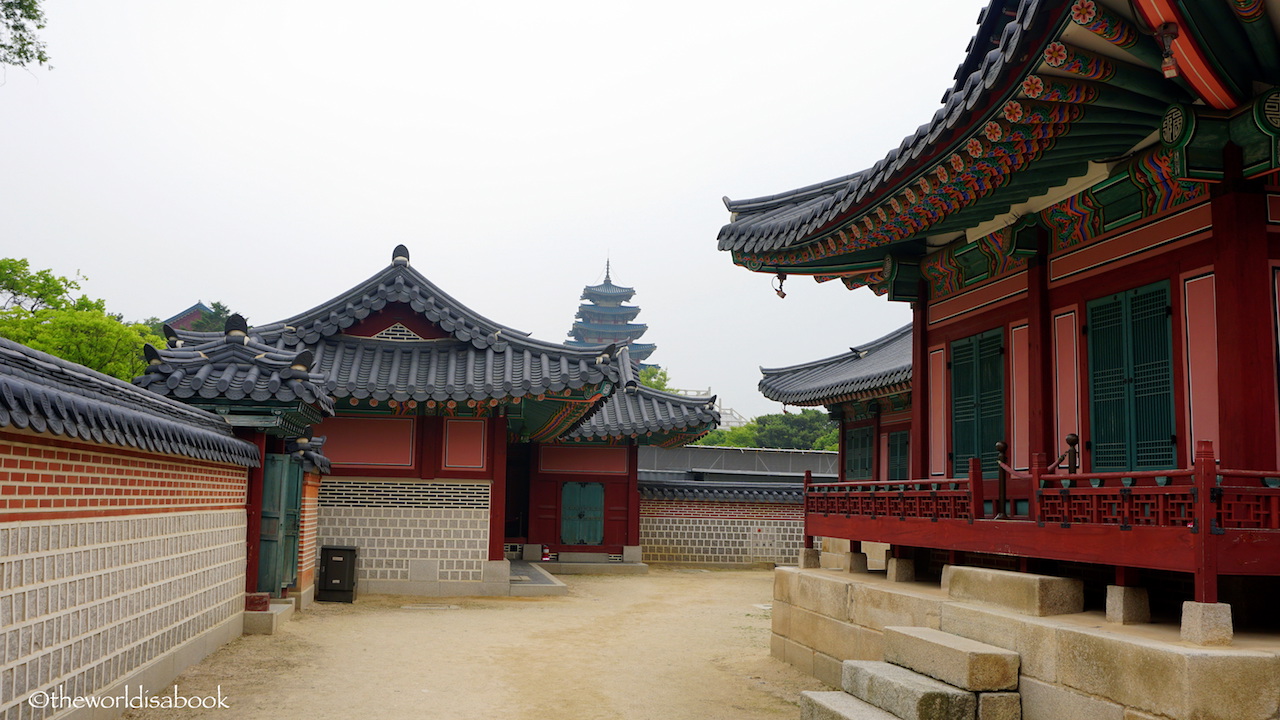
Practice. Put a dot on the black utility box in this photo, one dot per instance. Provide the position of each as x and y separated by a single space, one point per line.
337 574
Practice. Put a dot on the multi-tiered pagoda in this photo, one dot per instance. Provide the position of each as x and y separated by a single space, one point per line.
603 319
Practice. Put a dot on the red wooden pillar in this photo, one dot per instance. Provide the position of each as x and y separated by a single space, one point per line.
920 384
253 509
633 494
1040 354
498 488
977 496
1205 541
1245 307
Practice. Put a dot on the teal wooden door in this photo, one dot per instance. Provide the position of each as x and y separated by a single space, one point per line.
281 514
977 401
1131 414
582 513
899 444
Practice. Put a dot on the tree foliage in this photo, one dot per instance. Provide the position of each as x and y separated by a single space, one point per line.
215 321
37 309
19 44
655 377
805 430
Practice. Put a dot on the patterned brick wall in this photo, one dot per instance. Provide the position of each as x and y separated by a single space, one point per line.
122 557
720 532
394 523
307 526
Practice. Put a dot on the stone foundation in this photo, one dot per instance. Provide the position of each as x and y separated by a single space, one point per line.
1073 666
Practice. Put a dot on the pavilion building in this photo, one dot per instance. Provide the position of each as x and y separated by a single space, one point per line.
605 319
1087 233
458 443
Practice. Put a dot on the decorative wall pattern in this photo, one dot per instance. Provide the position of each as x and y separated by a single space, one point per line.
720 532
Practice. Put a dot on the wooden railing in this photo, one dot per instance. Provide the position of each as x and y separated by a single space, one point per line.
1202 500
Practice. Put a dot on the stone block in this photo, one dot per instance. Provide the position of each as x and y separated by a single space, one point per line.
1128 605
797 655
877 554
1034 639
632 553
838 706
900 569
824 634
1170 679
834 561
836 545
822 593
424 570
858 563
999 706
1206 623
782 581
964 663
531 553
778 647
1024 593
780 617
877 606
1046 701
906 694
584 557
257 601
827 669
267 622
496 571
809 558
946 576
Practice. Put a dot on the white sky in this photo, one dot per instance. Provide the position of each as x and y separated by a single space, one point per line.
270 155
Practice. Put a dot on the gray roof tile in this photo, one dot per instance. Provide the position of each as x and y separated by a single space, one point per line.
649 411
49 395
879 364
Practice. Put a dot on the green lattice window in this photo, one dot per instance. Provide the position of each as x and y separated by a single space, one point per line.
899 445
859 449
977 400
1131 414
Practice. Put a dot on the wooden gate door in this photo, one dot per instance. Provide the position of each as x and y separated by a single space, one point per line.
582 513
281 517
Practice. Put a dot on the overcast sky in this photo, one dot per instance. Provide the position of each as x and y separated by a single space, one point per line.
270 155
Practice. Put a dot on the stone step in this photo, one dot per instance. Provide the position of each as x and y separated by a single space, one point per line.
837 705
905 693
959 661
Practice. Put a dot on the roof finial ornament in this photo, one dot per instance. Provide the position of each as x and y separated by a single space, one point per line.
236 329
606 271
400 256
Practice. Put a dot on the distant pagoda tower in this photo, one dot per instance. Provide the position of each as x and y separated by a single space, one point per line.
604 320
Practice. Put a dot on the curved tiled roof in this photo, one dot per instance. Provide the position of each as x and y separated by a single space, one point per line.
710 490
235 367
778 221
309 451
880 364
49 395
645 411
444 370
482 360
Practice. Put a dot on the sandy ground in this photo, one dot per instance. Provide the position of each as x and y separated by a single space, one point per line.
675 644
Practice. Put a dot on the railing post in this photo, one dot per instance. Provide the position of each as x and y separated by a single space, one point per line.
1073 454
976 500
1206 545
1002 481
1039 463
808 539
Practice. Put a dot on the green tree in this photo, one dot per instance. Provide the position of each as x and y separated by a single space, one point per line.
215 321
19 21
805 430
37 309
656 378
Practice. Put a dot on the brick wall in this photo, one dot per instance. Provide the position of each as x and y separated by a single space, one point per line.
307 527
109 560
720 532
408 530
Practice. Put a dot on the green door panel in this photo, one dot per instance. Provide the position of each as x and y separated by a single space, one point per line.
582 513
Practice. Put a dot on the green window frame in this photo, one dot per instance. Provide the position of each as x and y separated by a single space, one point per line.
859 450
899 457
977 400
1131 407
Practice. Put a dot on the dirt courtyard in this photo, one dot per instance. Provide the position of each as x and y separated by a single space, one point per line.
676 644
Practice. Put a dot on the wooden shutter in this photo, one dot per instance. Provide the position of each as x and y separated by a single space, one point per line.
899 445
859 444
1131 412
977 400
